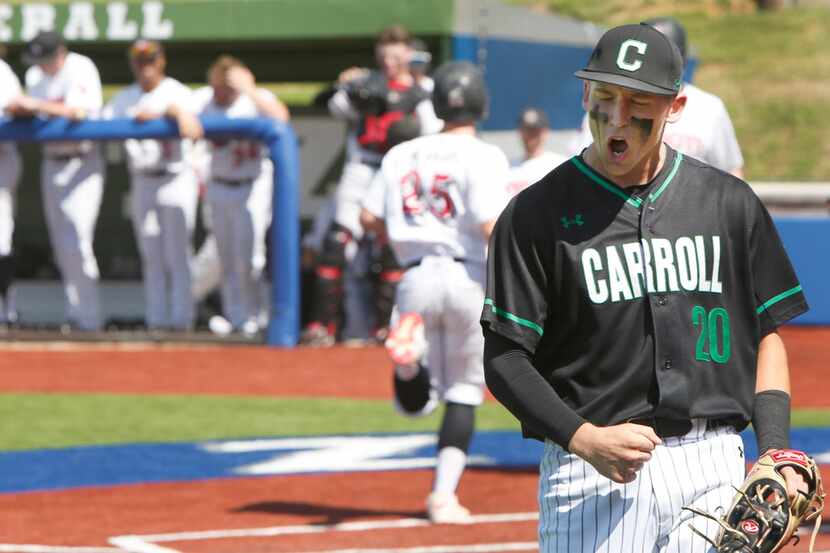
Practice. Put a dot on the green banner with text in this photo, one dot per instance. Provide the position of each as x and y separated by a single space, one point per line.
197 20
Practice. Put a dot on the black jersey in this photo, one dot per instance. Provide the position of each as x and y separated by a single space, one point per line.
641 305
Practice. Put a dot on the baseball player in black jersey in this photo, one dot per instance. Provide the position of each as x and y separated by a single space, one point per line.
630 319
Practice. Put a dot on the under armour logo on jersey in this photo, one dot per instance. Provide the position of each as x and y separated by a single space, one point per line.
635 64
577 220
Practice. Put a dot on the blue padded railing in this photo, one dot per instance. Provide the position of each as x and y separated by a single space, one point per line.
284 327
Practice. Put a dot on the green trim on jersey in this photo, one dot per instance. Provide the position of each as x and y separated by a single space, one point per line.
772 301
656 194
609 186
511 317
616 190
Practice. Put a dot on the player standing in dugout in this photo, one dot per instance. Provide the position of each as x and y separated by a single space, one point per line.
630 319
60 83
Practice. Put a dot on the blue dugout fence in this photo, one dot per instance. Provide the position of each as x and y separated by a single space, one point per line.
805 239
284 327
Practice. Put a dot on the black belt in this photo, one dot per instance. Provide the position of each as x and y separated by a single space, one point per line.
65 157
370 160
157 174
234 183
672 428
417 262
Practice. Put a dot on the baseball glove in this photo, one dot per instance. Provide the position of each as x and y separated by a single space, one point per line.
762 519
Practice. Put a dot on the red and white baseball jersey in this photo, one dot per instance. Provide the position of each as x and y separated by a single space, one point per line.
9 159
435 192
76 84
9 85
233 158
151 155
705 131
524 172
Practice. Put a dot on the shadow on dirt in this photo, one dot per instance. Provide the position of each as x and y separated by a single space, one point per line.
328 514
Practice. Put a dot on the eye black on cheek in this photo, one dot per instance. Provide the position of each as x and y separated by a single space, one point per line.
645 126
597 115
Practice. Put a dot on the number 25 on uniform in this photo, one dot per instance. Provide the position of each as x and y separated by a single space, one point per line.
438 199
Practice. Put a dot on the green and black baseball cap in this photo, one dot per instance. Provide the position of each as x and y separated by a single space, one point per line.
638 57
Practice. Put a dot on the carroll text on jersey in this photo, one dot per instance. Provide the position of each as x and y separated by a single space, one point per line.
625 271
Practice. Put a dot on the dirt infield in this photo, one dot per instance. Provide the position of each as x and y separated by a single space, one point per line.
89 517
291 372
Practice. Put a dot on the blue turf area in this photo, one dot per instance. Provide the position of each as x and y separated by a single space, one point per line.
53 469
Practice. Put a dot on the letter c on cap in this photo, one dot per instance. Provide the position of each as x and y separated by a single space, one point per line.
624 48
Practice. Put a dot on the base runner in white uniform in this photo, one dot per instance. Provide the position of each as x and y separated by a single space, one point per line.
65 84
164 186
240 189
9 174
704 131
439 197
534 131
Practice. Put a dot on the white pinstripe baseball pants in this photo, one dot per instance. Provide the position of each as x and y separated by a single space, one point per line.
582 511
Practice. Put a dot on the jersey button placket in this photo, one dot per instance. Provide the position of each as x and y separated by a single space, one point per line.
667 364
648 212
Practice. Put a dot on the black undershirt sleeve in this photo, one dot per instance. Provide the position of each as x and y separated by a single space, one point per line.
515 382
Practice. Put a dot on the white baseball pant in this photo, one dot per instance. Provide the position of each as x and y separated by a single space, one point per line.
582 511
9 175
72 190
241 215
348 197
206 271
164 216
7 201
448 295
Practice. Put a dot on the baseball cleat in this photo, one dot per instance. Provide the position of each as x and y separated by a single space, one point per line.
316 335
249 329
444 508
219 325
406 343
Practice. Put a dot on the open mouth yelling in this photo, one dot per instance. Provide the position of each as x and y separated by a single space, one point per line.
617 147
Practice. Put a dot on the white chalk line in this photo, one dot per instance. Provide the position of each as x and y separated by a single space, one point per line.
32 548
360 526
479 548
148 543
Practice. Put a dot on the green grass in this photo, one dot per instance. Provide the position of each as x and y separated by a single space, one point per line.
34 421
772 69
810 417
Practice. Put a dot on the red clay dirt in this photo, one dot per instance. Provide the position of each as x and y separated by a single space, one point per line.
88 517
233 370
300 372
